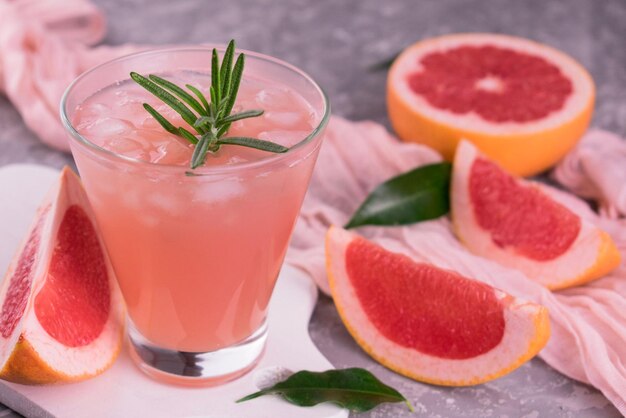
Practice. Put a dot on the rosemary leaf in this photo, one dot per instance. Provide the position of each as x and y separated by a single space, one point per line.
199 153
226 68
234 84
213 106
188 135
204 122
242 115
222 104
253 143
187 115
215 77
162 121
222 131
182 94
200 96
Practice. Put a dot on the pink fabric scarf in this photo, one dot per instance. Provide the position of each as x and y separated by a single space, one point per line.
45 44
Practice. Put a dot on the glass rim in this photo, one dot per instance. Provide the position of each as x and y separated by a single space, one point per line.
203 170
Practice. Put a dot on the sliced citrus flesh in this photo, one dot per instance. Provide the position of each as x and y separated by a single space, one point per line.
61 315
515 223
428 323
524 104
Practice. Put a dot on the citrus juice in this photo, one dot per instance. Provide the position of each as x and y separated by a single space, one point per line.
196 252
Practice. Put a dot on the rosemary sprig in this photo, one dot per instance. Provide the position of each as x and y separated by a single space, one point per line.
210 119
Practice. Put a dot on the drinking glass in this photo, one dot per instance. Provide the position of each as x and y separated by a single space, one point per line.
196 255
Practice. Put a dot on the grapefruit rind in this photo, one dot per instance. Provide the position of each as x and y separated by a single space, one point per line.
592 254
522 148
27 366
527 331
30 355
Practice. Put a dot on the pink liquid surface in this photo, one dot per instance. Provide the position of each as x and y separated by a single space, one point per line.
196 257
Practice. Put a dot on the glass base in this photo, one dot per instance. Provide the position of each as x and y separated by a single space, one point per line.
197 369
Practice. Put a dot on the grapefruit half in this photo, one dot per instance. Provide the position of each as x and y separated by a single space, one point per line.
515 223
427 323
61 314
522 103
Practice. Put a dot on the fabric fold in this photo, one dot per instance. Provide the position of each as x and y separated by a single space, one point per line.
595 169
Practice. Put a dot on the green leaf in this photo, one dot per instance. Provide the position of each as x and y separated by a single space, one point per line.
417 195
226 68
384 64
215 77
188 135
242 115
187 115
253 143
213 106
200 96
162 121
204 122
223 102
222 131
234 84
355 389
199 153
182 94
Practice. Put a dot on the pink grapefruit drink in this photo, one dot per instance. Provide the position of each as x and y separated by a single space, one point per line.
196 252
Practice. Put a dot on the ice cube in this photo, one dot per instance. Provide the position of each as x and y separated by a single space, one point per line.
219 191
106 127
126 97
171 115
284 119
92 110
89 113
273 98
171 151
128 146
122 145
299 102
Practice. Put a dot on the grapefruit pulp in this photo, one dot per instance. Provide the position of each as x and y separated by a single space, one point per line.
515 223
61 314
427 323
522 103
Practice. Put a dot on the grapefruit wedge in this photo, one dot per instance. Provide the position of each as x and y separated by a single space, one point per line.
514 222
522 103
427 323
61 316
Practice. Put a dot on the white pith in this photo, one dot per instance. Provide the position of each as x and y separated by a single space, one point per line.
520 330
408 63
578 258
73 362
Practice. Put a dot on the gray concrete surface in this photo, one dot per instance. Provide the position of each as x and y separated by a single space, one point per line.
335 40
